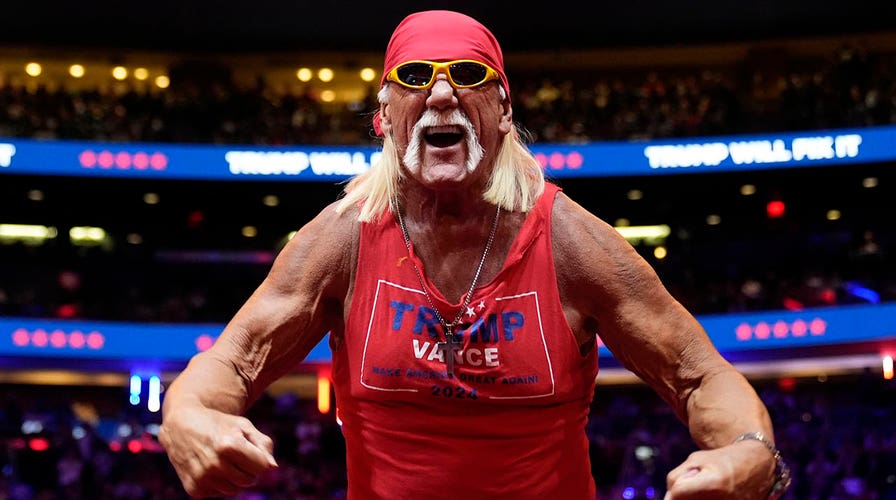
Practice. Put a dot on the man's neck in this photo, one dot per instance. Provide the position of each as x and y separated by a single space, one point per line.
424 207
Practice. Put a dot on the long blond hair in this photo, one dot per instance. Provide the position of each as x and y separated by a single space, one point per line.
516 182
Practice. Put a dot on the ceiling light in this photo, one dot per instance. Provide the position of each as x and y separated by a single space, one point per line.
119 73
368 74
325 74
33 69
76 70
304 74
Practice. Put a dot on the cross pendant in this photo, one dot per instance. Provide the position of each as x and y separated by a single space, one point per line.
448 347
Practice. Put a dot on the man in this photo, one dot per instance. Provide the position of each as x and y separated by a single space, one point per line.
462 294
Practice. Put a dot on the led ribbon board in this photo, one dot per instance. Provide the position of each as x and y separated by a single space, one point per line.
333 164
731 333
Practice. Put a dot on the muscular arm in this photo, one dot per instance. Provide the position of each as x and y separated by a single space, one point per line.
216 451
609 289
299 301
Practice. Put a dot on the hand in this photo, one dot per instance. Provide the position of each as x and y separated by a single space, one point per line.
743 470
214 453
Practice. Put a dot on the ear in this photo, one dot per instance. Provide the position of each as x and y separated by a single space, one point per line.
505 124
385 119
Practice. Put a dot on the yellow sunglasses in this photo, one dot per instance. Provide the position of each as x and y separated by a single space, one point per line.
462 74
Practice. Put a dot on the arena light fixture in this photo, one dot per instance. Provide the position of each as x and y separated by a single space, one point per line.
325 74
26 233
860 291
328 96
141 73
656 232
162 82
154 402
775 209
76 70
38 444
86 235
323 393
649 235
368 74
33 69
304 74
136 386
119 73
32 426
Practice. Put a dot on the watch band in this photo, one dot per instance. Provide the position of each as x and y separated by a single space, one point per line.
782 471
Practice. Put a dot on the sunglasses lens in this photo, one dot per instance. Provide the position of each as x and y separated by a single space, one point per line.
415 74
468 73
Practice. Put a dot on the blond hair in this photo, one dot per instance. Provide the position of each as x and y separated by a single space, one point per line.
516 182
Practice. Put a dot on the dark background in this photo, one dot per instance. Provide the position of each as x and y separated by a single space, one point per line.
271 25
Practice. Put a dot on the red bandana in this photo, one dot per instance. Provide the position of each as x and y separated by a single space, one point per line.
441 35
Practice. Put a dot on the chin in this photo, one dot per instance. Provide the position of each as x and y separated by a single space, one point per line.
446 175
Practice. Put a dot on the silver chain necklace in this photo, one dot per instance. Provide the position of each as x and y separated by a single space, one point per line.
451 343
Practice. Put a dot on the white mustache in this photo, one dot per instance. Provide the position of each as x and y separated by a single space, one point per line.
432 118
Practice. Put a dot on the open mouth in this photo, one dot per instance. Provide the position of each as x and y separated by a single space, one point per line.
443 136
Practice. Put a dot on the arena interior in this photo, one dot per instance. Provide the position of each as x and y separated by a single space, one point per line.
154 159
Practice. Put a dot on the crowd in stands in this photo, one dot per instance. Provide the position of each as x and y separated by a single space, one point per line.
837 433
810 273
851 88
91 283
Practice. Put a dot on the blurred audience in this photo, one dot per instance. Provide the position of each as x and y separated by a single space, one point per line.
56 281
837 433
765 92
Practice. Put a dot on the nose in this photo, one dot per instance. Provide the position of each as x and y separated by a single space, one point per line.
441 94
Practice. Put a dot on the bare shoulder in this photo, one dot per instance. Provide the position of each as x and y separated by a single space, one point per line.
596 266
323 251
331 226
581 240
571 222
300 300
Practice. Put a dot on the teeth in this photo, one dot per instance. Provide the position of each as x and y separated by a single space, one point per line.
445 129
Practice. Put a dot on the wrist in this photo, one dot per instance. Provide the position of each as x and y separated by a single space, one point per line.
782 471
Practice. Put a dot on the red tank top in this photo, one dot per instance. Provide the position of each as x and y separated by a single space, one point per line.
510 424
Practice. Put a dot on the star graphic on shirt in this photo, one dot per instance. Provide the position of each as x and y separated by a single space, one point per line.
471 312
481 305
